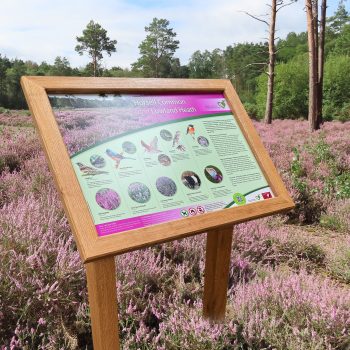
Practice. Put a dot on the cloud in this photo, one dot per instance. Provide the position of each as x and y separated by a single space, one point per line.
39 30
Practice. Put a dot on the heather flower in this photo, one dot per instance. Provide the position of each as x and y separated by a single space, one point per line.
108 199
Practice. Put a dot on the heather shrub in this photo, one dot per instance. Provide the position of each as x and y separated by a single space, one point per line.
337 216
33 178
294 312
16 147
38 262
186 329
339 266
15 118
159 285
318 179
331 222
317 172
260 244
182 327
43 302
338 261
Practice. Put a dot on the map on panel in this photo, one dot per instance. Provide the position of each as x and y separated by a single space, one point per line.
147 159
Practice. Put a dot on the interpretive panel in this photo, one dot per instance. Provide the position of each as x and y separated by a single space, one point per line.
151 158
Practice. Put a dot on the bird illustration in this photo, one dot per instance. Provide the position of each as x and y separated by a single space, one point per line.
89 171
176 138
117 157
191 131
152 147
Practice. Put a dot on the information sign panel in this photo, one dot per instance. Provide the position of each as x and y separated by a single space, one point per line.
145 159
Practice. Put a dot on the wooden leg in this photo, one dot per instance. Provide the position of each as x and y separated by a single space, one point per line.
217 265
101 282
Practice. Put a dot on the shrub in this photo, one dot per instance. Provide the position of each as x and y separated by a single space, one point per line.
317 188
339 263
38 261
336 88
259 244
252 110
294 312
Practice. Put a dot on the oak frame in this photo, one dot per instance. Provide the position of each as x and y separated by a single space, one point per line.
90 245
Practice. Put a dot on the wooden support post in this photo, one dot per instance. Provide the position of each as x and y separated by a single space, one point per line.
102 292
217 266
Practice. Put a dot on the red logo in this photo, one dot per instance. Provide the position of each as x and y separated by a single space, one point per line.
267 195
192 211
200 210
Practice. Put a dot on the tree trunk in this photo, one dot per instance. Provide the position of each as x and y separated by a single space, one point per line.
94 63
321 61
315 25
272 59
313 77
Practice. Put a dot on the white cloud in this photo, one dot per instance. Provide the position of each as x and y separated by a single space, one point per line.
41 30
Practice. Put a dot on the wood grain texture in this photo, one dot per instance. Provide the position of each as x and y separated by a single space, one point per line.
125 85
103 303
61 167
89 244
217 267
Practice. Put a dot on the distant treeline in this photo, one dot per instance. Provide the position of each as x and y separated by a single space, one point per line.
244 64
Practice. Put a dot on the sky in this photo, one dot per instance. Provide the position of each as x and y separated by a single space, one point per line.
40 30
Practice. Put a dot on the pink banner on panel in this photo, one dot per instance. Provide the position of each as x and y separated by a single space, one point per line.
158 109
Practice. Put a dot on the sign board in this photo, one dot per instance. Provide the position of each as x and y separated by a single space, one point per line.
142 161
147 159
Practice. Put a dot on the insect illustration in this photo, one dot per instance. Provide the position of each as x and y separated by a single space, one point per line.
89 171
176 138
152 147
191 180
191 131
222 104
117 157
181 148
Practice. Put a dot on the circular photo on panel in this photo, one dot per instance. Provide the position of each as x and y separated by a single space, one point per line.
166 186
97 161
166 135
139 192
107 199
213 174
203 141
191 180
164 159
129 147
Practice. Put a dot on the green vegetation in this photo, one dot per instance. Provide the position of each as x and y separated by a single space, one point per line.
337 87
94 42
244 64
157 51
315 190
291 89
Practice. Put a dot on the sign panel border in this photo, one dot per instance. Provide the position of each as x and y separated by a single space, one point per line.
90 245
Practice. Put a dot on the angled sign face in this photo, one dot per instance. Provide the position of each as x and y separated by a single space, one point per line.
147 159
143 161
